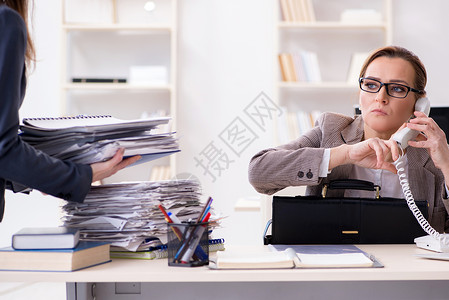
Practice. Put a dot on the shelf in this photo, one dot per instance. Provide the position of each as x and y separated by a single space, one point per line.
330 25
117 27
115 86
317 85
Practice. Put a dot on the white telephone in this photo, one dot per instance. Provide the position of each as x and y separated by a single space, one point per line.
434 241
402 137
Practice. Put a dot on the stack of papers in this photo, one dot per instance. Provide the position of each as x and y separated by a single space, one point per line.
127 214
90 139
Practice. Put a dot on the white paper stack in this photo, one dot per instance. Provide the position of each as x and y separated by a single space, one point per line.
127 214
90 139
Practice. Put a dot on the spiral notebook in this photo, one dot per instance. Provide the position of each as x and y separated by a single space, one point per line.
89 124
91 139
161 251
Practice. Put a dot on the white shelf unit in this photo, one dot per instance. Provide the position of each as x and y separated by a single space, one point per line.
120 34
334 42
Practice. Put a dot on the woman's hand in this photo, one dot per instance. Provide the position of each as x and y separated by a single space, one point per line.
105 169
373 153
433 139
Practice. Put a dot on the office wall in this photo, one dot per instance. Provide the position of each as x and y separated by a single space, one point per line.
225 61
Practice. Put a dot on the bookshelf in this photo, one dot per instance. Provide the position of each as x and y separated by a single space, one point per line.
335 38
132 40
322 44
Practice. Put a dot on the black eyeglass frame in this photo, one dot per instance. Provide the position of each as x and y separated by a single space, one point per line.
409 89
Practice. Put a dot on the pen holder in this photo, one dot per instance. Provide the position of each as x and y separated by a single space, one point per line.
188 244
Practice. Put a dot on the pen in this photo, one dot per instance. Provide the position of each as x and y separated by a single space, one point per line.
176 221
203 212
173 217
175 229
193 242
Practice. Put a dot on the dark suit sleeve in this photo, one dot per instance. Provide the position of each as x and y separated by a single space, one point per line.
19 162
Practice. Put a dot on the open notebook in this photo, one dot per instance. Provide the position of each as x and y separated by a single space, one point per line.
297 256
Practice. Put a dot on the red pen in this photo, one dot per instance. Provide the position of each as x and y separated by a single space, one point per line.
176 230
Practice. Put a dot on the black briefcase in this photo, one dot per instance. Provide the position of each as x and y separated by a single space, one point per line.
321 220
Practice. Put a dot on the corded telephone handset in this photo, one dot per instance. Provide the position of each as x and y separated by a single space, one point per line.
434 241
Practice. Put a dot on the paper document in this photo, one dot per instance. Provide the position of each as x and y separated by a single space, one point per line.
297 256
91 139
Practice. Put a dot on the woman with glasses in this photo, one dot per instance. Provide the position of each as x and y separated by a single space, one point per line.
20 164
342 147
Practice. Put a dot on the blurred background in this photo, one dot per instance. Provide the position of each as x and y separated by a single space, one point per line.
223 64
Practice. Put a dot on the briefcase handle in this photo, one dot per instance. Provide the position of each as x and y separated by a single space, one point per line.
352 184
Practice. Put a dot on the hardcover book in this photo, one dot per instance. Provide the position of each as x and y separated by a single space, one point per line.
46 238
86 254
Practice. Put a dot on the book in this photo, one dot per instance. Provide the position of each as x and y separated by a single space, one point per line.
161 251
46 238
297 256
86 254
357 60
286 10
98 80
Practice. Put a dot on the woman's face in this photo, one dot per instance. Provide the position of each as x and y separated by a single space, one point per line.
383 114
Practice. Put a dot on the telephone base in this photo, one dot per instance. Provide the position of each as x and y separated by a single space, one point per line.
428 242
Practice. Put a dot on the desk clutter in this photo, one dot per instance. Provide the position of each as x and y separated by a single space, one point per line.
127 216
188 242
161 251
90 139
124 216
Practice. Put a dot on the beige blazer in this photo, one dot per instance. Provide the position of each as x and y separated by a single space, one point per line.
297 163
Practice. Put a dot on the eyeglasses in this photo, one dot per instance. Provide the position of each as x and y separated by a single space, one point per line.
395 90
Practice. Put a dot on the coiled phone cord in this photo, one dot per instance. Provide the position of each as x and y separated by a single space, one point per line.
411 202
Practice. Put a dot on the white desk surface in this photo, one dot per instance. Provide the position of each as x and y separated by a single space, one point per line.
399 260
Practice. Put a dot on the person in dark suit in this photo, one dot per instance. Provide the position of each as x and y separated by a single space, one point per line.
343 147
22 166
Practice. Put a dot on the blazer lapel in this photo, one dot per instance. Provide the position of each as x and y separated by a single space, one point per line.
354 132
419 176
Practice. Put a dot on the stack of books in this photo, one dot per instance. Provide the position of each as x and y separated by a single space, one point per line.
297 11
52 249
91 139
302 66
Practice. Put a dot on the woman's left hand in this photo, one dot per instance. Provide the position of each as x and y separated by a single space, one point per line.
432 138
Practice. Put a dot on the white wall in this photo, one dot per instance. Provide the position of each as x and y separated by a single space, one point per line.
225 61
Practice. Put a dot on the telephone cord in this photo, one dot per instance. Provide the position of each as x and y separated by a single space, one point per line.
411 202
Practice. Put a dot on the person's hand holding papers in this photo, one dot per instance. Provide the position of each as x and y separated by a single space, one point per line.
105 169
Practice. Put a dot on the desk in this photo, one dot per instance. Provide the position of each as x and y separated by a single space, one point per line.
403 277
